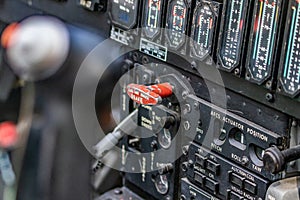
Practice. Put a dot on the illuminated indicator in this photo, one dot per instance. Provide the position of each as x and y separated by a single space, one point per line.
233 30
202 31
264 34
152 21
291 75
176 23
124 12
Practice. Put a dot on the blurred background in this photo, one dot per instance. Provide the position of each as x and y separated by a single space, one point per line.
49 161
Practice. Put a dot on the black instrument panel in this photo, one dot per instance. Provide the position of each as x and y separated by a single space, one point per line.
255 44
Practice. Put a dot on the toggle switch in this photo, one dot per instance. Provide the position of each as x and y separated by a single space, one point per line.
149 95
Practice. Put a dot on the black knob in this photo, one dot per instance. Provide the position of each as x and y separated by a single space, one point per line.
275 160
167 122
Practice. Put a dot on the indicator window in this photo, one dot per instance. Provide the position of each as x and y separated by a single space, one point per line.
203 30
124 13
290 74
237 138
263 37
256 154
233 33
176 23
152 17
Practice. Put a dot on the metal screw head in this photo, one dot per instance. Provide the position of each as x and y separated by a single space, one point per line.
168 197
269 84
196 105
184 167
187 125
187 108
191 163
185 150
184 94
245 160
145 77
194 65
118 192
237 71
270 97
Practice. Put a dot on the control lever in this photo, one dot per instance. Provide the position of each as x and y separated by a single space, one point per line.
36 47
110 140
275 160
149 95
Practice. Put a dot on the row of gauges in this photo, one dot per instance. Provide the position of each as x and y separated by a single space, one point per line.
258 38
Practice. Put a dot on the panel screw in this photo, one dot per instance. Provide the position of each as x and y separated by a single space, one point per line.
184 166
182 197
237 71
245 160
118 192
187 125
270 97
194 65
185 150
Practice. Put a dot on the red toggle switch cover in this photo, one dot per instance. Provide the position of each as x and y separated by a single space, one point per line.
149 95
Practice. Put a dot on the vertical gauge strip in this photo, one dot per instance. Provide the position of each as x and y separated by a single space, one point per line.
263 37
152 17
124 13
177 19
290 74
233 29
203 30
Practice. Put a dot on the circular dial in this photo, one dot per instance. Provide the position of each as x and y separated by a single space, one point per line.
233 31
161 184
202 31
263 39
291 70
152 19
124 13
176 23
165 138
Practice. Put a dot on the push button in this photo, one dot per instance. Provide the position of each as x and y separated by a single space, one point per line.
212 185
235 196
199 178
250 187
236 180
213 167
200 161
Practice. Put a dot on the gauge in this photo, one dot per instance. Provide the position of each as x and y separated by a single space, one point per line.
153 17
290 75
161 184
176 23
264 32
203 30
124 13
165 138
232 33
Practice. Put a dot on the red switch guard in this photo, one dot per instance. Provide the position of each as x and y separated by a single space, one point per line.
149 95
